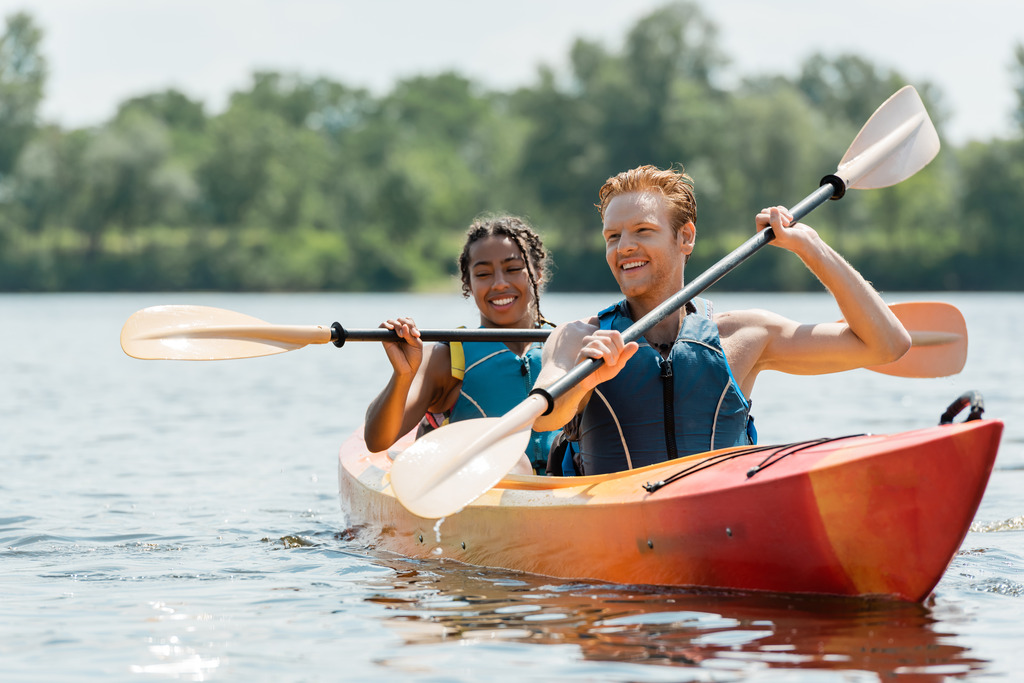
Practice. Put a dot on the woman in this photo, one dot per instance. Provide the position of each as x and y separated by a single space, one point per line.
503 266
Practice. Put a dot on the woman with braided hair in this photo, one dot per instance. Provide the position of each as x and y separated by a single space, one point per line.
503 267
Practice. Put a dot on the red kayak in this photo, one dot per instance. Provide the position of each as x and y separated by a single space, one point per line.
861 515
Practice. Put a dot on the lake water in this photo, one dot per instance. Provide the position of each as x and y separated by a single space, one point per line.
173 520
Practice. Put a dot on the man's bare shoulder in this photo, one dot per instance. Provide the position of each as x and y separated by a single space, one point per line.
745 336
748 320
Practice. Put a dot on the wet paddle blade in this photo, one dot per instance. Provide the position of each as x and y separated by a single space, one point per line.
450 467
207 333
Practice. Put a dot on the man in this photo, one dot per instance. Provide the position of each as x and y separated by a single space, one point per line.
685 387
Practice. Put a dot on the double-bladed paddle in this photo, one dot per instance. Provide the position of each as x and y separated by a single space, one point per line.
451 466
187 332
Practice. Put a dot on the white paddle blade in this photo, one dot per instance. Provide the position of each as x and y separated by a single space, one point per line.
449 468
898 133
185 332
467 483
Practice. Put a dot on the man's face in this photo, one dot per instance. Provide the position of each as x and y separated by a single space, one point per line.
645 255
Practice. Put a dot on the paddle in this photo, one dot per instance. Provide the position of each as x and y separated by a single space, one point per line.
185 332
450 467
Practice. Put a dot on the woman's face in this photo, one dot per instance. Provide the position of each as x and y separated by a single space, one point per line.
500 283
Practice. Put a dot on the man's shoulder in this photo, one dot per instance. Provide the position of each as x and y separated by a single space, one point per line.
731 322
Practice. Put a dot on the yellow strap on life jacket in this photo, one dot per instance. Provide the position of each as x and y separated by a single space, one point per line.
458 359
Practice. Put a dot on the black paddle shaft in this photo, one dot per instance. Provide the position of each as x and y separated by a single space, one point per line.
831 187
339 335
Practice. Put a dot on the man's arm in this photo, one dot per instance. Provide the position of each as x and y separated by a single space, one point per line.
569 344
870 334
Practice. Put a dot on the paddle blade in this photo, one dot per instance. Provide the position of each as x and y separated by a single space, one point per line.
897 141
939 335
207 333
450 467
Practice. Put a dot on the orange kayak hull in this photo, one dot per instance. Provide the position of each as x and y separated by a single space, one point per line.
857 516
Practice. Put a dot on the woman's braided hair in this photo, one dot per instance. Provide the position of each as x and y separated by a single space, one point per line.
538 264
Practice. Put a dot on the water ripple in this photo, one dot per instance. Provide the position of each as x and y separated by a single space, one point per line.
1013 524
435 602
1010 589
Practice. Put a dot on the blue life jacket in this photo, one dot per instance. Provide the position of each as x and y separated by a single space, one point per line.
495 380
624 424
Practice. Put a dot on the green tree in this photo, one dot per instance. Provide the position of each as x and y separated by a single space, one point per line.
438 152
318 104
1017 73
848 87
22 77
765 148
672 46
126 179
171 107
620 110
235 171
991 239
270 158
44 179
184 118
562 154
289 96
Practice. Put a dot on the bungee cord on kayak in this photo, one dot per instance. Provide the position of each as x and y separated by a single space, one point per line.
787 451
778 452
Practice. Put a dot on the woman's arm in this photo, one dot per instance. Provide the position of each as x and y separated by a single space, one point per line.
420 379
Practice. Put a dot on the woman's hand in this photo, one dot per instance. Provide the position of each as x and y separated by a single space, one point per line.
405 355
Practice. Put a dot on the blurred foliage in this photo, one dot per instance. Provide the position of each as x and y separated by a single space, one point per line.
22 77
305 184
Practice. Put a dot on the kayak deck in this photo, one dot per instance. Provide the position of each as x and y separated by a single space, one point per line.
861 515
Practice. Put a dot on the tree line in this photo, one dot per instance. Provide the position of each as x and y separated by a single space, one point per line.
303 183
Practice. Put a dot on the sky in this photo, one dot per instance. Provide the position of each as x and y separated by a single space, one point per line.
102 52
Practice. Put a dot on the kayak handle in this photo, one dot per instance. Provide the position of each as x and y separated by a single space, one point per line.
968 398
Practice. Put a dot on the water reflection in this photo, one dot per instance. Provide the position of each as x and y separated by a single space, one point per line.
435 601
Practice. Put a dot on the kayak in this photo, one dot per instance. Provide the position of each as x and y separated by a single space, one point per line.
863 515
